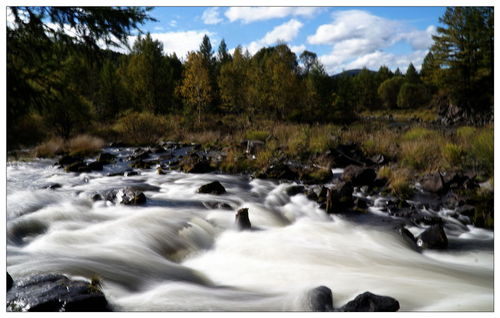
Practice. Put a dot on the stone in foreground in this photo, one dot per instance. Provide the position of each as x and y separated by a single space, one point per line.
320 299
370 303
212 188
55 292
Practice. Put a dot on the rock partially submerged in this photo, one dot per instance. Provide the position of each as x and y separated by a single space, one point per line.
242 220
212 188
359 176
320 299
339 198
368 302
55 292
433 238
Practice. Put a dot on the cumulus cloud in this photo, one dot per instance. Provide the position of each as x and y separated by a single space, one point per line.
180 42
252 14
359 38
211 16
285 32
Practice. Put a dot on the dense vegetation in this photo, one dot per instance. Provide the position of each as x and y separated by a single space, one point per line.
61 85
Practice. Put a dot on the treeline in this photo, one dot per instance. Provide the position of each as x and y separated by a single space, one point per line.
58 87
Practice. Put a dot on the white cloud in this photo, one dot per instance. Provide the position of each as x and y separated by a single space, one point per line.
359 38
158 28
173 23
252 14
211 16
285 32
297 49
180 42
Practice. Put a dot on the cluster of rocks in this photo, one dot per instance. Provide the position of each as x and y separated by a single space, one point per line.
320 299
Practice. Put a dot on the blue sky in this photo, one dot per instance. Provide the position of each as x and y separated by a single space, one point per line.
342 37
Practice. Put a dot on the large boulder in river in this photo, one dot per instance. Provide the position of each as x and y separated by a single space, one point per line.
195 163
280 171
359 176
212 188
67 159
78 166
434 182
242 220
368 302
339 198
55 292
106 158
434 238
320 299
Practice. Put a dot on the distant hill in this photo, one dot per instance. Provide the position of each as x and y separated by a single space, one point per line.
353 72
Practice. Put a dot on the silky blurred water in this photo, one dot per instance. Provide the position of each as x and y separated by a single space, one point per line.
178 253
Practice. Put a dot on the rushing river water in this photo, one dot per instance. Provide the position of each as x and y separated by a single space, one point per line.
177 252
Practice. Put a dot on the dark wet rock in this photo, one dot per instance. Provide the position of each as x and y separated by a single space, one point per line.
217 205
360 204
294 190
55 292
195 164
118 144
347 154
395 205
279 171
359 176
54 186
160 171
409 238
320 299
311 195
424 219
130 173
67 160
140 155
323 194
242 220
368 302
433 238
10 281
95 166
78 166
106 158
339 198
467 210
158 149
127 196
97 197
379 182
141 164
434 182
212 188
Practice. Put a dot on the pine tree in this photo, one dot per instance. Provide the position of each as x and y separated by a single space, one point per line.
464 50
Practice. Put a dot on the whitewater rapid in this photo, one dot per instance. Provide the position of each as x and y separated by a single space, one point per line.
178 253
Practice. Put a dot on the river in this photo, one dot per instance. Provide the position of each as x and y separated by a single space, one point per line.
180 252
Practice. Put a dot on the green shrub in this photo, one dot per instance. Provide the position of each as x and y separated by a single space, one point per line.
482 149
418 133
140 128
465 133
453 154
257 135
422 155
